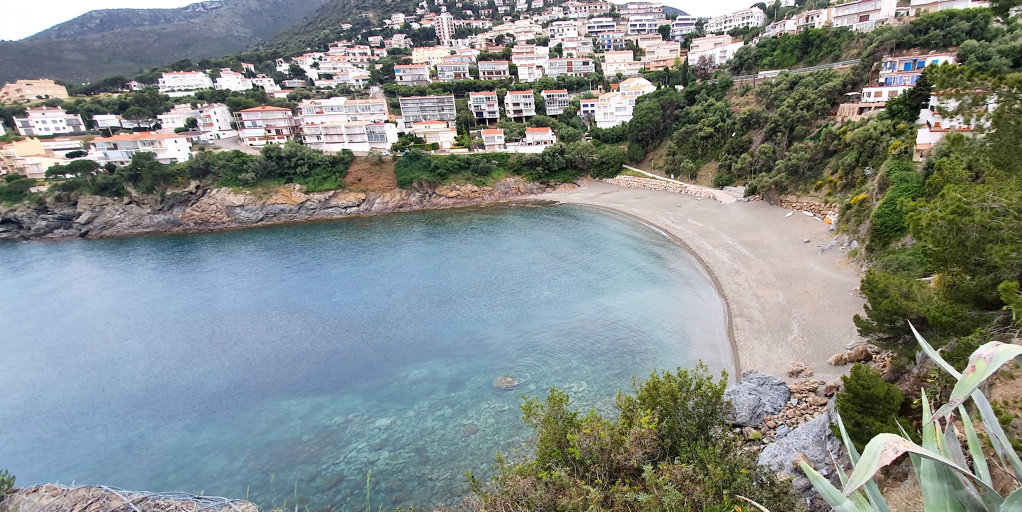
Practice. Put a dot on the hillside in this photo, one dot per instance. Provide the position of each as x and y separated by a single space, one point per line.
126 41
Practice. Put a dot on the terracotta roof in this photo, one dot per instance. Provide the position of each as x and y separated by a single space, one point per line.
139 136
483 93
493 131
265 108
519 92
565 91
544 129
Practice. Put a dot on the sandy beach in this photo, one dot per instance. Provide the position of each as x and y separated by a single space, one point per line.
788 301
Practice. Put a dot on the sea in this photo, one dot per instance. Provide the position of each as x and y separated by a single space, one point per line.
300 365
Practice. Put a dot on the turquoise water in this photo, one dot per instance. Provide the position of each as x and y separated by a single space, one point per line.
257 362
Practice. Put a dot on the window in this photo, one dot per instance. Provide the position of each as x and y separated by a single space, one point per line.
863 18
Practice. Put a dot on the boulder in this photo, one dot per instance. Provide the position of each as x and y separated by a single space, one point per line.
797 370
839 359
505 383
754 396
859 354
813 440
831 388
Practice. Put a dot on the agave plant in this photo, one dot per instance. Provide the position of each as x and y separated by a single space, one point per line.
948 481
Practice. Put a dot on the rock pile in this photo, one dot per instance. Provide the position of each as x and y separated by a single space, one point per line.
817 208
655 184
804 405
50 497
880 360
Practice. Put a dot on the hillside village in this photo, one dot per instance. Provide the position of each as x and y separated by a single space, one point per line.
472 83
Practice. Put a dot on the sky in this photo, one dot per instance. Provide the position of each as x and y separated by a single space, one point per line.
24 18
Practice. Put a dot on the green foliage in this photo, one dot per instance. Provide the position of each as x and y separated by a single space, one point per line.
15 188
670 449
887 223
6 482
868 405
893 299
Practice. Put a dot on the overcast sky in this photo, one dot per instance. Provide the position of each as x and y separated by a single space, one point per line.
23 18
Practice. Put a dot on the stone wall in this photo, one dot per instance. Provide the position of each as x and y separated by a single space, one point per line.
655 184
817 208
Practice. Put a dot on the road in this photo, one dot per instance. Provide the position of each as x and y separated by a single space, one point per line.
232 143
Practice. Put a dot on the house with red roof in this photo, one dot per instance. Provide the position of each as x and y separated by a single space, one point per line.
118 149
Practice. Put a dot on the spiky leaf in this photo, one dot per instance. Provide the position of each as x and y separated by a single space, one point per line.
839 502
986 360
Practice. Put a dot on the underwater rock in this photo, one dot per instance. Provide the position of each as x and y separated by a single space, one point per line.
504 382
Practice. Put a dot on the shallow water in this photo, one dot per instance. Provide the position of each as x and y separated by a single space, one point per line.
290 361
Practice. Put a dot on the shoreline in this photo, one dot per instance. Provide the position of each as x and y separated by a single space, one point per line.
786 300
729 317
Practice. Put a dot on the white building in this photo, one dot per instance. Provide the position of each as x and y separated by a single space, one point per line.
231 81
342 109
556 101
934 126
785 26
583 9
412 74
714 50
452 71
494 69
597 26
683 24
539 137
906 70
435 132
863 15
48 121
118 150
356 136
428 108
214 122
444 27
484 105
574 47
571 67
614 108
431 55
176 117
519 104
644 24
814 18
631 9
530 72
920 7
183 83
662 56
751 17
493 139
620 61
561 29
264 124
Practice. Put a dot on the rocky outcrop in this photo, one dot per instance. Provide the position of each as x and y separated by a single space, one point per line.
812 441
754 396
194 209
58 498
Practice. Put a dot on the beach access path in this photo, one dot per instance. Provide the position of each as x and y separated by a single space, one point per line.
789 300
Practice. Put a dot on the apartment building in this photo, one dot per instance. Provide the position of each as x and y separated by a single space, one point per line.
32 90
562 29
644 24
614 108
920 7
342 109
176 117
118 150
863 15
574 47
538 137
431 55
428 108
556 101
620 61
264 124
662 56
751 17
444 27
597 26
452 71
484 105
214 122
714 50
356 136
611 41
631 9
785 26
571 67
435 132
901 71
41 121
493 139
531 72
494 69
814 18
412 74
27 157
578 9
682 25
645 40
183 83
519 104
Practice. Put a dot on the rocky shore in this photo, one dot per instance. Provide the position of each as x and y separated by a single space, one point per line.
196 209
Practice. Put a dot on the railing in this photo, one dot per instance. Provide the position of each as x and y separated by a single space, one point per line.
774 72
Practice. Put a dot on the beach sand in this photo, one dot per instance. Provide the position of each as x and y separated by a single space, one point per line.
788 301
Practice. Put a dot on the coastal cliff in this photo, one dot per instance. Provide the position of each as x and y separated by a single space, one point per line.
195 209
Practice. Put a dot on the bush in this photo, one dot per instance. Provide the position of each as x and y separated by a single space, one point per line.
868 405
888 220
723 179
6 482
670 449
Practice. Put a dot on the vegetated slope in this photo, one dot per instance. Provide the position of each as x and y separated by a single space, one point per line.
126 41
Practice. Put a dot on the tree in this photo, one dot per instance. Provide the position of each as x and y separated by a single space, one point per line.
665 32
868 405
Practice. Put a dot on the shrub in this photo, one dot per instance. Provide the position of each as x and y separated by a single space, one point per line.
670 449
6 482
888 220
868 405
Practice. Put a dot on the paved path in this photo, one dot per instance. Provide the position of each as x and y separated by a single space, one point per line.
720 195
232 143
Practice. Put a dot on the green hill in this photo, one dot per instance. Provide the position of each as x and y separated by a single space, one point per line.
126 41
